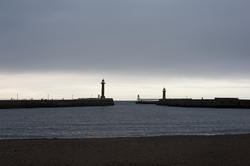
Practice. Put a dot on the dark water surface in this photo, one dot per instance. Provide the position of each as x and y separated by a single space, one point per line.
125 119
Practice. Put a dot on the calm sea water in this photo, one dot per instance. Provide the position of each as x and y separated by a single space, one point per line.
125 119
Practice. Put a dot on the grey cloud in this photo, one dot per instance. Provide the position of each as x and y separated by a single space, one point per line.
174 37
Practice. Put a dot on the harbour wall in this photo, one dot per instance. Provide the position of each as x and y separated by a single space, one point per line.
215 103
6 104
147 101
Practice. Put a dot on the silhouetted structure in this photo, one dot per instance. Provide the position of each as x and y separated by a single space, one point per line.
4 104
138 97
188 102
100 101
145 101
103 89
216 103
164 94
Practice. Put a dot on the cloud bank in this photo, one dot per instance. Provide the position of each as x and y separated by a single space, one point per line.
172 38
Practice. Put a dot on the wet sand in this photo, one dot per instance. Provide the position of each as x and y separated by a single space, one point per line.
229 150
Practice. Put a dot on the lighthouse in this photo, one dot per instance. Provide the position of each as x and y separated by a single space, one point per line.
164 94
103 89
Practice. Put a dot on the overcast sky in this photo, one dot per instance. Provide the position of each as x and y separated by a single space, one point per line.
177 39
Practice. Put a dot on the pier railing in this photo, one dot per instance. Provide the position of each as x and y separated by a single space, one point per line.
147 101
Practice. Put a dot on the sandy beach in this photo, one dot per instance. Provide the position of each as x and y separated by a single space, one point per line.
228 150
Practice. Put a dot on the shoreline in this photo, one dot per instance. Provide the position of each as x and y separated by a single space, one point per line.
160 150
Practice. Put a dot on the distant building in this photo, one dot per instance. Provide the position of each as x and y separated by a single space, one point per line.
164 94
138 97
103 89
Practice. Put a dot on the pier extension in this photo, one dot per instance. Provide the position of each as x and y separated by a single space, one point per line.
102 101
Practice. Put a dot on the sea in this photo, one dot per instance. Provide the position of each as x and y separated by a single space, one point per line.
124 119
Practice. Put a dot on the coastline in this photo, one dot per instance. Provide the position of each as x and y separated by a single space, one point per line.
162 150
